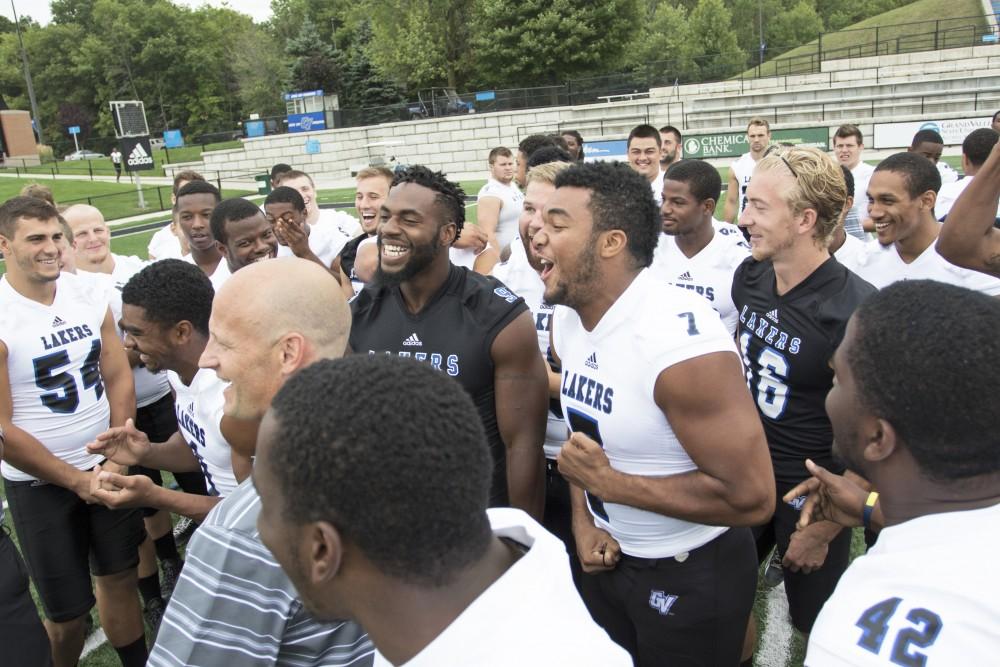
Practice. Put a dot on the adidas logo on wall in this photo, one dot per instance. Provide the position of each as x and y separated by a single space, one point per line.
773 315
591 361
139 157
58 322
412 341
685 276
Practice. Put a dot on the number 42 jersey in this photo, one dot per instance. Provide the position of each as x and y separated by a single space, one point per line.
53 357
787 342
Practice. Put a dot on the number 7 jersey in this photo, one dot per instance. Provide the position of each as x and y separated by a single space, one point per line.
787 342
53 361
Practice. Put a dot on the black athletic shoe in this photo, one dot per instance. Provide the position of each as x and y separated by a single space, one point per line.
153 614
183 530
170 570
774 574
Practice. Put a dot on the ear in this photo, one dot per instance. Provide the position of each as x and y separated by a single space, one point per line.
292 348
927 201
849 204
183 331
223 248
448 234
709 206
808 224
5 246
613 242
881 440
324 552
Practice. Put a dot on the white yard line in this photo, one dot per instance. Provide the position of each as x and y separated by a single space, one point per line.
774 647
94 642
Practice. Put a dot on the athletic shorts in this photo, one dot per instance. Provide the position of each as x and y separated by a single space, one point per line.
806 593
60 534
22 635
680 613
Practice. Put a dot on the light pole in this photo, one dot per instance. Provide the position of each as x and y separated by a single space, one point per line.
27 77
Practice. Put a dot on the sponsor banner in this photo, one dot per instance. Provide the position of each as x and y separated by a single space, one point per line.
306 122
605 151
734 144
137 154
173 139
900 135
303 93
254 128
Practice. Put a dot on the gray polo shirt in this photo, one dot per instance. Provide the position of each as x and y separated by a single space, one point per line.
233 605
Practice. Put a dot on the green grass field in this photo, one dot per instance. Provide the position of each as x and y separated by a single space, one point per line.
103 166
896 32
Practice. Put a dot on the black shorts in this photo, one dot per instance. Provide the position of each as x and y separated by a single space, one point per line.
59 534
22 636
664 611
806 593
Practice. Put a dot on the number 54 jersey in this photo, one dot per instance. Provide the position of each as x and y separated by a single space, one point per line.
787 342
53 357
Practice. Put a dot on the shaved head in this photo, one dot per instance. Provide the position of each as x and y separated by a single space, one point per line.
91 237
78 213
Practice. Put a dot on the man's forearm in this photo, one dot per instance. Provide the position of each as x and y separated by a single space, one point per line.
121 396
27 454
174 455
191 505
526 477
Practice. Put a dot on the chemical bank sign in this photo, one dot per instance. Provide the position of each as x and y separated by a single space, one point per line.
733 144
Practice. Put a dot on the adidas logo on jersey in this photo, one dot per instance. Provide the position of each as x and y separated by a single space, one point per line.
591 362
685 276
773 315
413 341
139 156
58 322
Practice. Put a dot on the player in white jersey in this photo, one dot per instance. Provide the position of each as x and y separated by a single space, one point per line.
969 237
848 145
758 138
329 231
643 150
499 201
930 144
194 206
902 193
63 378
165 318
243 233
927 592
169 242
848 249
690 253
666 449
976 148
286 211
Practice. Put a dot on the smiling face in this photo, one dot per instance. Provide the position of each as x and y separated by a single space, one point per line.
767 217
536 196
152 340
895 214
194 211
644 157
566 248
36 248
368 199
308 191
411 233
91 237
249 240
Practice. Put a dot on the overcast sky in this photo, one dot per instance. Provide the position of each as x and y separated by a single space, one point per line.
260 10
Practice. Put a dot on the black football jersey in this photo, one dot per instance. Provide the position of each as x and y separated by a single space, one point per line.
454 333
787 343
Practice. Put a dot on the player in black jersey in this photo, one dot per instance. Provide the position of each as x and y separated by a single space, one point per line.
468 326
794 301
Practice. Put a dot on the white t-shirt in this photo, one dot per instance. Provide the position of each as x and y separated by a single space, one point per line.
164 244
608 377
948 174
657 187
199 418
882 266
465 256
523 281
852 252
512 201
743 169
219 276
949 193
730 232
709 273
927 593
326 238
532 615
862 174
53 363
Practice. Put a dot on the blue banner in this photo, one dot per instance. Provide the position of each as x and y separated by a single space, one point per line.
486 96
254 128
306 122
73 129
173 139
312 147
604 151
304 93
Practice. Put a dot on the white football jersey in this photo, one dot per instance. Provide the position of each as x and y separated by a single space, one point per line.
608 377
862 175
927 594
657 187
164 244
510 209
731 233
326 240
882 266
708 274
53 360
199 418
219 276
743 169
522 280
852 253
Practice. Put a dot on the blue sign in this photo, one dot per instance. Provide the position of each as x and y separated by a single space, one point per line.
486 96
605 151
304 93
312 147
254 128
306 122
73 129
173 139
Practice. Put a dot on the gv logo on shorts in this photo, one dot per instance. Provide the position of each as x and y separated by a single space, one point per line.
661 602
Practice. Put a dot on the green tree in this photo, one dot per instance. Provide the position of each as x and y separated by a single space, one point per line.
364 86
546 41
717 51
665 49
315 64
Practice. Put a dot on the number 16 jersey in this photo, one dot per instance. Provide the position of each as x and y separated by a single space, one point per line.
53 361
787 342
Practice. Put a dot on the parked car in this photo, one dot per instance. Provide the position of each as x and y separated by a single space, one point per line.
83 155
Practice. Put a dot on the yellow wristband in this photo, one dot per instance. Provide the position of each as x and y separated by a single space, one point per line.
866 514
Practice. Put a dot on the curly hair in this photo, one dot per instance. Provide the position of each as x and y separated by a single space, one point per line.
172 291
450 195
